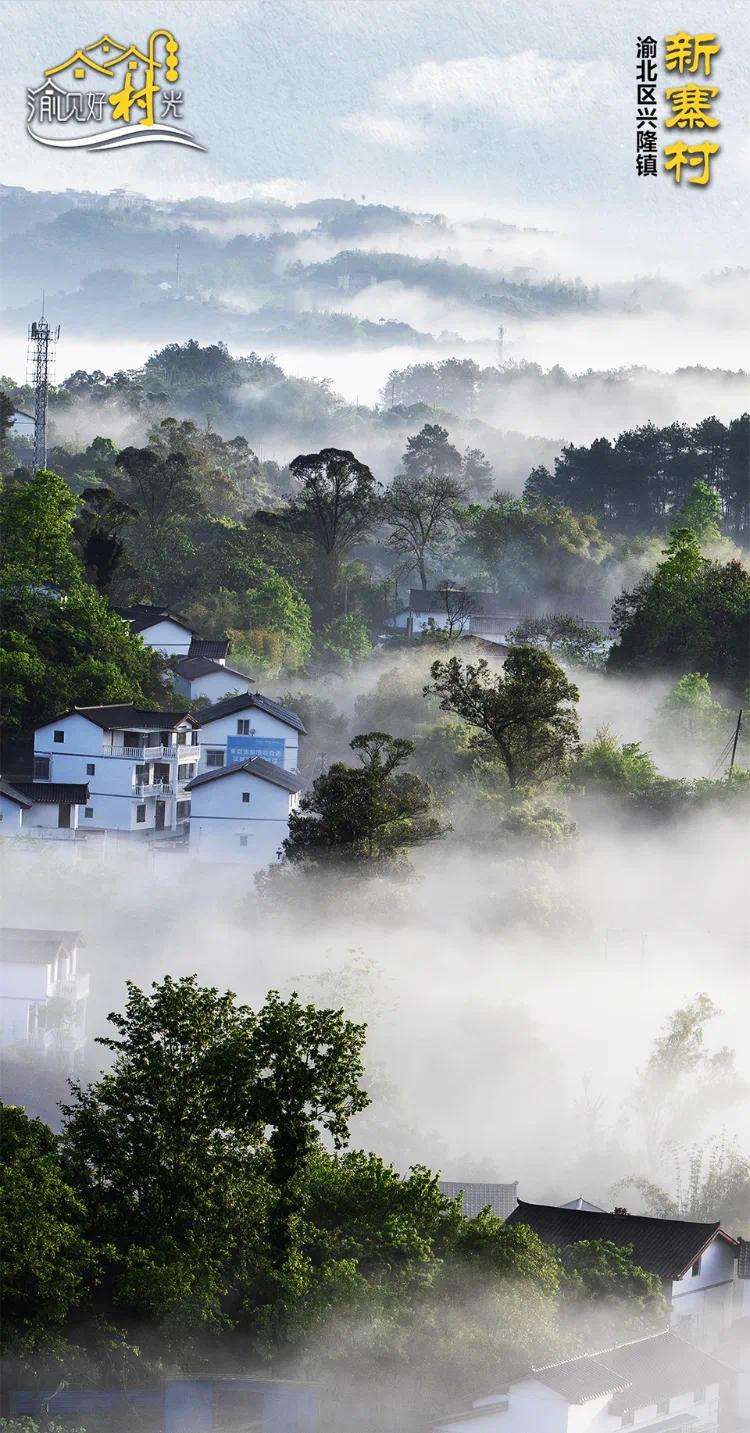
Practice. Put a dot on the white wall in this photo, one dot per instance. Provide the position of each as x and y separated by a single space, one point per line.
532 1407
214 685
167 637
703 1305
10 817
213 735
219 818
111 784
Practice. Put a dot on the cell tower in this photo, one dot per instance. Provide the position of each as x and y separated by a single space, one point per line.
41 366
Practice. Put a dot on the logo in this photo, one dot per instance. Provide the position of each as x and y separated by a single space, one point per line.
120 95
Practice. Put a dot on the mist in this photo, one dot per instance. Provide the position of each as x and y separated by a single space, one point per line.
511 995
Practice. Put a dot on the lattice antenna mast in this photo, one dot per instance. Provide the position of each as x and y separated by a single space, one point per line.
41 372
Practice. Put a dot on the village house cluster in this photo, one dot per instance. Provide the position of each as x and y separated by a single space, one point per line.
222 780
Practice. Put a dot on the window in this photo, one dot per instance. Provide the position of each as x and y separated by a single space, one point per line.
140 814
246 796
41 768
243 728
696 1268
184 773
628 1418
183 810
59 736
243 840
90 768
662 1407
214 758
88 812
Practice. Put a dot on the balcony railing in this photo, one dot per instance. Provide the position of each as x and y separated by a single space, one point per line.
173 752
153 788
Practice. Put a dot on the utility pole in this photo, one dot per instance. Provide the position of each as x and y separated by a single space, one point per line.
40 361
736 739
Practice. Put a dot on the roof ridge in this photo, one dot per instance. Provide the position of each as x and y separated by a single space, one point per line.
600 1352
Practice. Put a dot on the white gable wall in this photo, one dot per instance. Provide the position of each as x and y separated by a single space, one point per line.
226 829
214 685
213 734
168 637
703 1304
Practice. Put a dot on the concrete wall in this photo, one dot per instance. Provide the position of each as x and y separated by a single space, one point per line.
532 1407
167 637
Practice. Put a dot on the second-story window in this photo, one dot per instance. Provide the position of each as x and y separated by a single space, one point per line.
59 736
41 768
90 768
246 796
243 728
214 758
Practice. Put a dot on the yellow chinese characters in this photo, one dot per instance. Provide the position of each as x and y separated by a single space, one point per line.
690 52
693 156
691 107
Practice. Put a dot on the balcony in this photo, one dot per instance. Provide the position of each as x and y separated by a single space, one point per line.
153 788
173 752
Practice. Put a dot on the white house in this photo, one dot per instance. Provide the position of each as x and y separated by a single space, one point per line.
241 727
695 1262
43 995
136 764
49 809
485 615
657 1382
202 677
170 634
240 812
159 628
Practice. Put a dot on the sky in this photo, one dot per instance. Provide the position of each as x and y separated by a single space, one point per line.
521 111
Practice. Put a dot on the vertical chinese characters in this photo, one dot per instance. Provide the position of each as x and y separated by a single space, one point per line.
646 77
691 105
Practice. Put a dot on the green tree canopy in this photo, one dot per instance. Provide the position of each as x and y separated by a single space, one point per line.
526 712
368 814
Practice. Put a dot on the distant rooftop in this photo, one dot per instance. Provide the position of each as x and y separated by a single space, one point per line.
123 716
27 945
141 616
214 648
638 1373
665 1247
192 667
502 1198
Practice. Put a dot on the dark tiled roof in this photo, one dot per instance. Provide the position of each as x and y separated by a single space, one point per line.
51 793
502 1198
665 1247
124 717
638 1373
256 766
743 1259
13 794
142 616
212 647
192 667
230 705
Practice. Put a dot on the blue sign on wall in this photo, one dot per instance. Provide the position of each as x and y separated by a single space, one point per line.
242 748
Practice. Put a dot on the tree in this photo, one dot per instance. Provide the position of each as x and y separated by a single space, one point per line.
187 1153
690 712
335 509
558 632
342 641
602 1281
523 543
689 615
422 512
604 765
525 711
701 512
62 644
365 815
98 525
36 522
47 1263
